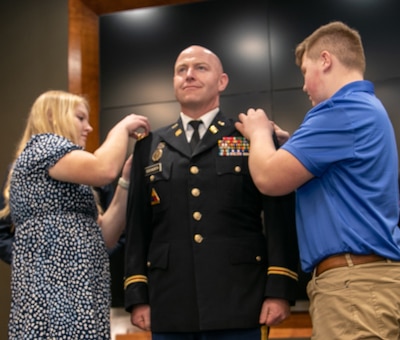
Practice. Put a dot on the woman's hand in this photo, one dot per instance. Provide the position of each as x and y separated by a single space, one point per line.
137 126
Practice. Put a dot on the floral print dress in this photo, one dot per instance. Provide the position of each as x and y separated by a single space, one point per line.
60 281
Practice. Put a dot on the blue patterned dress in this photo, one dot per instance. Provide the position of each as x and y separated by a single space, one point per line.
60 280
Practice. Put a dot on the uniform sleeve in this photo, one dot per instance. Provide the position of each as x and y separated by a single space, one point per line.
6 238
283 254
6 232
137 229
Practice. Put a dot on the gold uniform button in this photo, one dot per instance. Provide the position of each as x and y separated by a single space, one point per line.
198 238
258 258
194 170
195 192
148 264
197 216
238 168
151 178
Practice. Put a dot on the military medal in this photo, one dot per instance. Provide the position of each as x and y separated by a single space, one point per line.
233 146
157 154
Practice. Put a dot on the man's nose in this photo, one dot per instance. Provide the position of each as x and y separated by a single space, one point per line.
190 72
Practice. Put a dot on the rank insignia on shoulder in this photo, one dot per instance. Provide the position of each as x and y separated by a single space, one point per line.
213 129
233 146
155 199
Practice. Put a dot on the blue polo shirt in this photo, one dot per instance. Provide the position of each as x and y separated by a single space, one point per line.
351 205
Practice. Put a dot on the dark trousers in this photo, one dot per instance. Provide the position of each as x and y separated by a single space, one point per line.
236 334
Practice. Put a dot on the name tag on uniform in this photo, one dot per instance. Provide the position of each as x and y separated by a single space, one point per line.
153 169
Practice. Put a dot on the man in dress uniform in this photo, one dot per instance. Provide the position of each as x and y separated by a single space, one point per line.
207 256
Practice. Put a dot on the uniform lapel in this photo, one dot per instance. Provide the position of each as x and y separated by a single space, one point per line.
221 126
174 136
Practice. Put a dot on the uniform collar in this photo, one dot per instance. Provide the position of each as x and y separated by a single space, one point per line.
207 119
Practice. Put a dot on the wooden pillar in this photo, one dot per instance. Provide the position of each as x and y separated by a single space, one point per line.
83 61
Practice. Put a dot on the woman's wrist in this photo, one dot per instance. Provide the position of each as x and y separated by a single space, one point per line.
123 183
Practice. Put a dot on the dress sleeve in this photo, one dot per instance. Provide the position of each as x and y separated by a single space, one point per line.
49 148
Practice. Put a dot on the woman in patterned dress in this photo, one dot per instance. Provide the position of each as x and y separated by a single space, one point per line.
60 281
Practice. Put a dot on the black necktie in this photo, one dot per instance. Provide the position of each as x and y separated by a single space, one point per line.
195 137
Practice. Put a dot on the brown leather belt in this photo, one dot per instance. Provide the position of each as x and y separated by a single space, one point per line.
340 260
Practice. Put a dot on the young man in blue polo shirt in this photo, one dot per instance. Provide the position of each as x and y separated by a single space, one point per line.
343 162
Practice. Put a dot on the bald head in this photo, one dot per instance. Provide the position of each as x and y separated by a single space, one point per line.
198 80
200 51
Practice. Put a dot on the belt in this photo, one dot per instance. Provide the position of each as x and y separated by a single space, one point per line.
345 260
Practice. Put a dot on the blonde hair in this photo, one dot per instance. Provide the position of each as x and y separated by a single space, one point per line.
338 39
52 112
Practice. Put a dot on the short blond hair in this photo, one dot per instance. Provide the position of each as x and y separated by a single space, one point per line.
338 39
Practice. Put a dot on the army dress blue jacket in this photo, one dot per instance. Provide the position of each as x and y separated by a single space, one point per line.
197 250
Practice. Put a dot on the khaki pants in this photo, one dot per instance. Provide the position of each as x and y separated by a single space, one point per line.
356 302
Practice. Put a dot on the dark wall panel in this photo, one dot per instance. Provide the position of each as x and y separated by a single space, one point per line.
292 20
138 48
255 40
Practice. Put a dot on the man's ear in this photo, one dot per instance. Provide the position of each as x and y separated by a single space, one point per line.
326 59
223 82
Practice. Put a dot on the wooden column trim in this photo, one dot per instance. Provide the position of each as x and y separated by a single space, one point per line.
83 62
